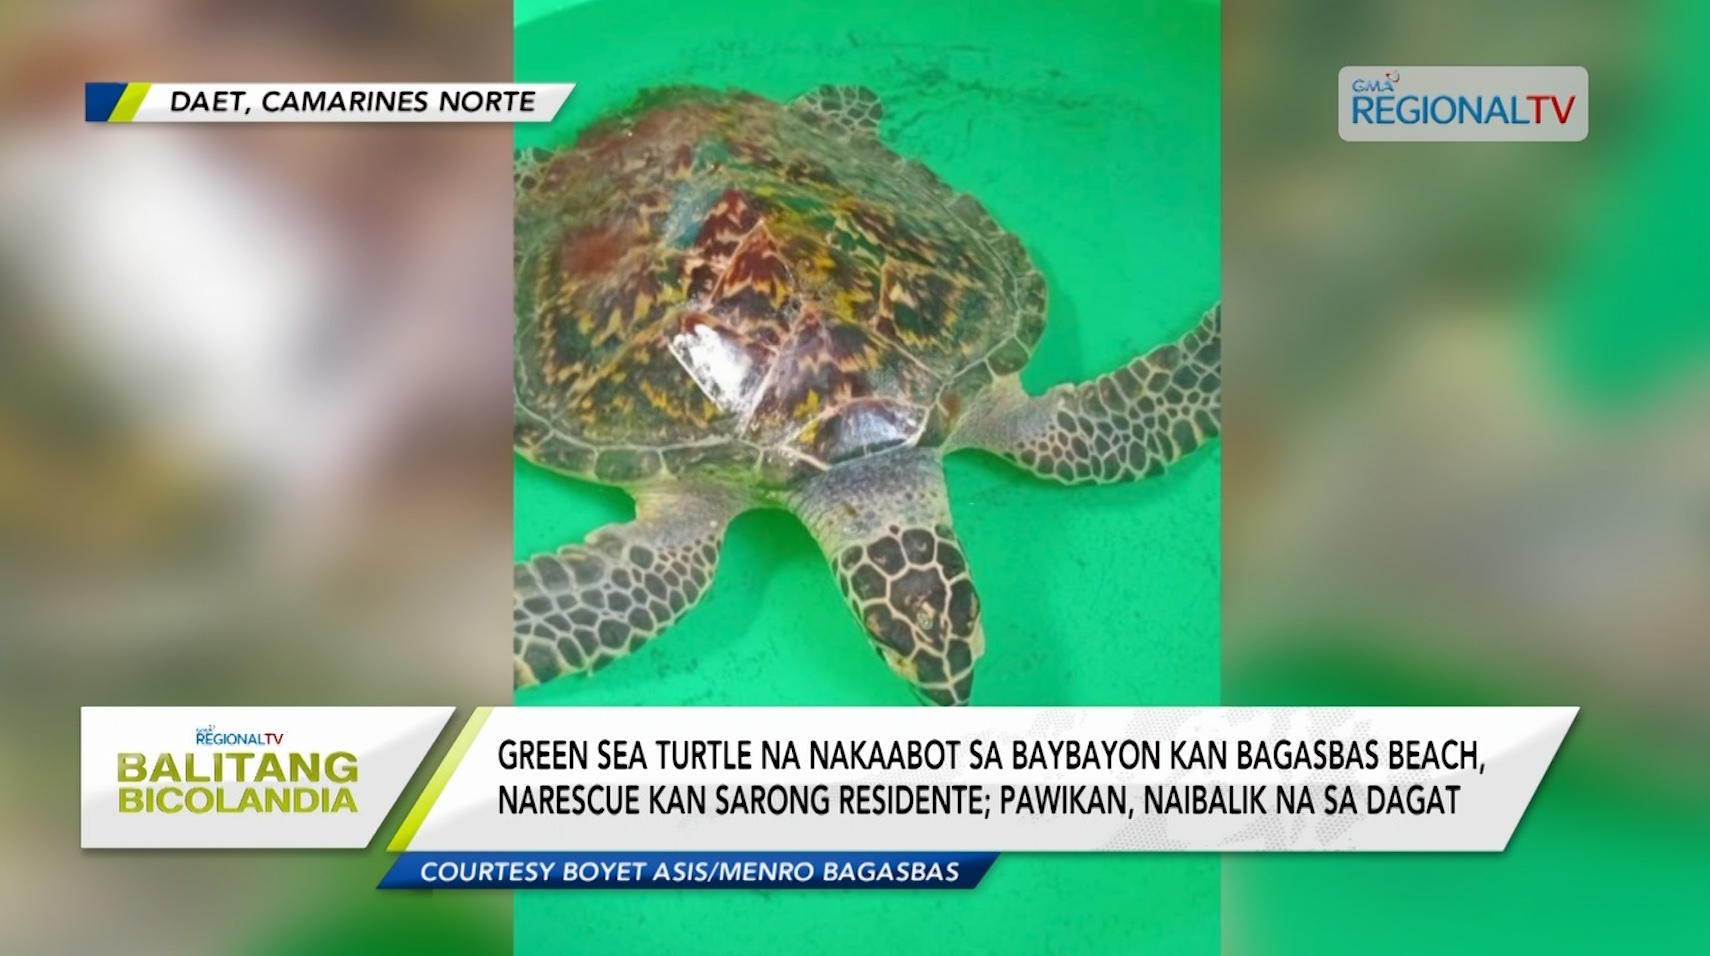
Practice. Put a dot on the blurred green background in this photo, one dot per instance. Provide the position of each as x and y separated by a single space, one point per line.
254 420
1469 407
1468 400
1090 130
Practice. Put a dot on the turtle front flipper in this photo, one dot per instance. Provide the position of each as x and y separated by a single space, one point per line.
578 610
884 524
1131 423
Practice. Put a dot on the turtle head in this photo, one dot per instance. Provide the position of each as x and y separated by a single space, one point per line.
884 524
909 588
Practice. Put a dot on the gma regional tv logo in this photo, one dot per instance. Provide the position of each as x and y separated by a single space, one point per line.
210 736
1463 104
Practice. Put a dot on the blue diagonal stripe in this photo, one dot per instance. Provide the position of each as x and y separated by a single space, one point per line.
99 100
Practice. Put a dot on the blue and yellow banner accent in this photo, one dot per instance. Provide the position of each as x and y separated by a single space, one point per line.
112 102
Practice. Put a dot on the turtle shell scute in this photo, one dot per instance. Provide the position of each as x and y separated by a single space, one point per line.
714 283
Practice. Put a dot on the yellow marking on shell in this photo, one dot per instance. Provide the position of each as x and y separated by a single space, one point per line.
816 267
702 409
659 398
775 293
809 406
851 224
564 298
671 293
547 295
621 404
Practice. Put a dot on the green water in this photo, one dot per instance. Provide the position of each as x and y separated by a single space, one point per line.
1090 130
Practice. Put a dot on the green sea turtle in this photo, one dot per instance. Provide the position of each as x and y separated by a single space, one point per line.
725 302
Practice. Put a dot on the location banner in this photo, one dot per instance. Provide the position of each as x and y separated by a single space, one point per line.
324 102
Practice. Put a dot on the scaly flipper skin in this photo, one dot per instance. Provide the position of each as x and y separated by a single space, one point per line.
578 610
855 108
884 524
1130 423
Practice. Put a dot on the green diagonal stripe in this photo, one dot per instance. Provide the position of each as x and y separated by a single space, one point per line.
128 102
448 766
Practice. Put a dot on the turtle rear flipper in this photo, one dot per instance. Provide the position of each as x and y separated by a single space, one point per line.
855 108
1131 423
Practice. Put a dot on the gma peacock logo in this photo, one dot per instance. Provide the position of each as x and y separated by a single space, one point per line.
248 771
1382 84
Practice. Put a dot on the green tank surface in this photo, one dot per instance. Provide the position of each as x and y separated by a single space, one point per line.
724 303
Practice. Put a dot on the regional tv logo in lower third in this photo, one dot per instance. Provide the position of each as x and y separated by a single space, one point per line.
247 777
1463 104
